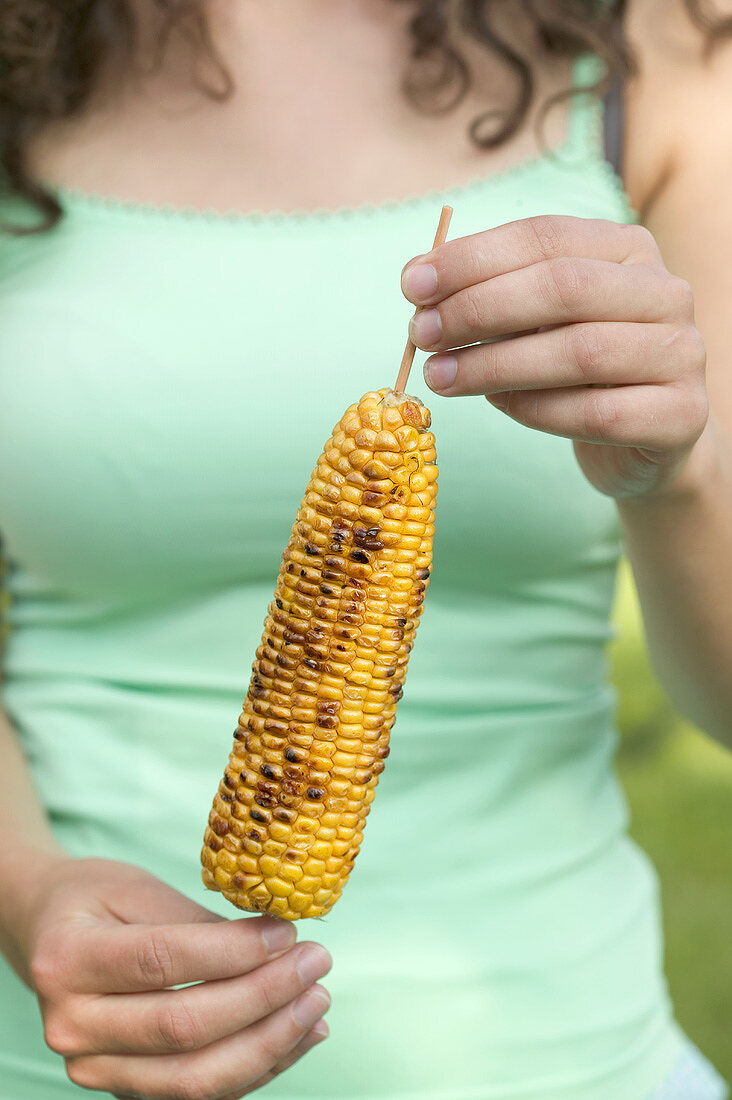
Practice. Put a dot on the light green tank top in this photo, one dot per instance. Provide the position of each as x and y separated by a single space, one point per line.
168 379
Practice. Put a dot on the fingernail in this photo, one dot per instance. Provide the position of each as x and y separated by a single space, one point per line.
278 935
440 371
322 1029
414 260
425 328
313 962
308 1008
500 400
420 282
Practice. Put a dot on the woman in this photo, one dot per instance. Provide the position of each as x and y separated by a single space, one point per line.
175 349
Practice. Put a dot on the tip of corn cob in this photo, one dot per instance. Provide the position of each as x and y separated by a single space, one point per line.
288 819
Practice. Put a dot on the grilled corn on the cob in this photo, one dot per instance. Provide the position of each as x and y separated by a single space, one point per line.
288 819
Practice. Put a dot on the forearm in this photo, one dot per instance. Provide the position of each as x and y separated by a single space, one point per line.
679 542
26 841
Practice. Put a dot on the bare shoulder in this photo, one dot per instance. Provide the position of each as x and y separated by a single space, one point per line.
678 106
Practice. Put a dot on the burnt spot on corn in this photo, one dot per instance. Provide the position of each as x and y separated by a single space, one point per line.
368 537
328 674
266 801
339 534
271 726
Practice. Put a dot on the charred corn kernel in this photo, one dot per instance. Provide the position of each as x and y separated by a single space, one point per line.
287 821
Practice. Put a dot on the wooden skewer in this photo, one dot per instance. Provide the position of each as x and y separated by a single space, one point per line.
410 349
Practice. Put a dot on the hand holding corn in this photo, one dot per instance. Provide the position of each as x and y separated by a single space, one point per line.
288 818
102 943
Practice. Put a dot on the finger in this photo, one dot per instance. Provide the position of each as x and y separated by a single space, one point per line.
317 1035
191 1018
222 1068
652 417
465 261
134 957
552 292
610 352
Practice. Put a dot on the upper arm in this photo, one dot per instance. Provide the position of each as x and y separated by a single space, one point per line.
681 105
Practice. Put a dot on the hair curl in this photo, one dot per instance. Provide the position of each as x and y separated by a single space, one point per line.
52 52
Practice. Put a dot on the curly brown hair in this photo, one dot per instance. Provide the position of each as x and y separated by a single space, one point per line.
52 51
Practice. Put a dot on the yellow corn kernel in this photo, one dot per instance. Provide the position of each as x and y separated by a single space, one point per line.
278 888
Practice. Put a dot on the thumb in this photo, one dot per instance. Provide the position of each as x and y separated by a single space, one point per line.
133 896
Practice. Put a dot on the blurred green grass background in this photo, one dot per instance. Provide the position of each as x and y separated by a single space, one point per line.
679 783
